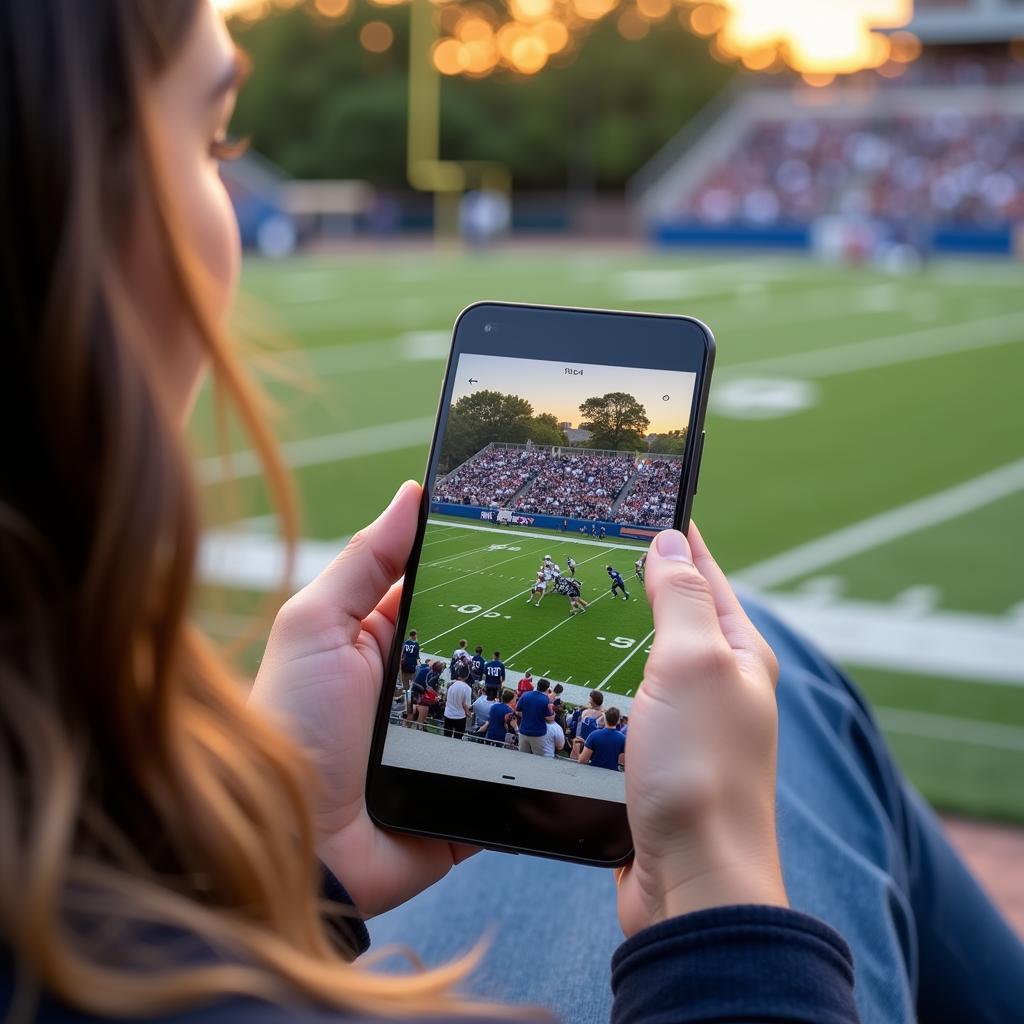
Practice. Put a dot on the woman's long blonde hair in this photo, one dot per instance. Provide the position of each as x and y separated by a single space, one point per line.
135 786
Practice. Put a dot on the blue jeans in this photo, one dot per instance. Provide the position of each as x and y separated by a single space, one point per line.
860 849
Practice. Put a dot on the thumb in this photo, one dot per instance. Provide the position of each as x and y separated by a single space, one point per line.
354 583
680 597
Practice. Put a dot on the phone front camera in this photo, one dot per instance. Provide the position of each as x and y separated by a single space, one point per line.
489 328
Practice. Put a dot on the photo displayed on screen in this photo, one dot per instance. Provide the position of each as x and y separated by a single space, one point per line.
529 624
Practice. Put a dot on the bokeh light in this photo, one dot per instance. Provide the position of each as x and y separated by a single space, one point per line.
376 36
814 37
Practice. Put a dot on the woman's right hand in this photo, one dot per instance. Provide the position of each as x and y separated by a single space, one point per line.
700 754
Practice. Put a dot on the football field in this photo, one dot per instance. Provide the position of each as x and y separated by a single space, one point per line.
474 581
864 470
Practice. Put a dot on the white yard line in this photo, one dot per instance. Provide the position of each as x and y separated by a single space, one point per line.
492 609
885 527
314 451
462 554
252 561
553 538
465 622
557 625
963 646
640 646
448 583
968 731
890 350
440 540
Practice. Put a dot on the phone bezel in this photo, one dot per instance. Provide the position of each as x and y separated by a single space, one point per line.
488 814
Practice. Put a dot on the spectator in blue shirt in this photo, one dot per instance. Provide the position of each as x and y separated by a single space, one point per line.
501 720
534 711
605 747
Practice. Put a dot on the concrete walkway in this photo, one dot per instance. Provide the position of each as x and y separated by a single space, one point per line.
430 752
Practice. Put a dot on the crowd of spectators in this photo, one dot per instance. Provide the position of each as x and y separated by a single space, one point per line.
491 477
582 486
475 705
571 484
946 167
652 500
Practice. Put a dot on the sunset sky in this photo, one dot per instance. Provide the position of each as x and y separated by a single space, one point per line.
547 387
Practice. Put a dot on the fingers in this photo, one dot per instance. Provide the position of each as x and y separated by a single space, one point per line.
697 617
680 596
356 581
733 620
380 623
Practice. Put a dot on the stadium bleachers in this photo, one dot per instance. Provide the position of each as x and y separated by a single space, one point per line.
575 483
939 148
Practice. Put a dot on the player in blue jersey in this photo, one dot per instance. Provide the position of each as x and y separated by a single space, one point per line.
617 583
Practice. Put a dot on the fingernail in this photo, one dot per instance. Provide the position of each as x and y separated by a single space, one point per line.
673 546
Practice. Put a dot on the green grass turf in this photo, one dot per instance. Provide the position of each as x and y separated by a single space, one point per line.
473 584
873 440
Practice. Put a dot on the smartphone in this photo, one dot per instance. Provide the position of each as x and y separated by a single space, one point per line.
565 440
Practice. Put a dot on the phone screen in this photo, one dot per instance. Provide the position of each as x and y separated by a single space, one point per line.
529 624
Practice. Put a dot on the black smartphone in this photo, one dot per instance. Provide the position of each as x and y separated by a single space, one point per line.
565 440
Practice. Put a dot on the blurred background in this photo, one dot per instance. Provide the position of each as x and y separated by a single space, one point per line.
834 186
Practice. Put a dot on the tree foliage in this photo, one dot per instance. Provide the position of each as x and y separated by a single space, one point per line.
545 430
322 107
671 443
616 421
477 420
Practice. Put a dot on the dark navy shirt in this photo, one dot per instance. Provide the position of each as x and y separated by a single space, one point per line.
616 578
740 963
410 655
494 673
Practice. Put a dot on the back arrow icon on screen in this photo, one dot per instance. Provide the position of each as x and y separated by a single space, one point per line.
473 380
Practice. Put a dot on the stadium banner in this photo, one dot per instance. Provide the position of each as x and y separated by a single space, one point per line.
509 517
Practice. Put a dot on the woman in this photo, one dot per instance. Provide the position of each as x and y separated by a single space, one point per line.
162 841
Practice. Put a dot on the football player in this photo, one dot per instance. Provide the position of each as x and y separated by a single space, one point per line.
540 585
640 564
617 583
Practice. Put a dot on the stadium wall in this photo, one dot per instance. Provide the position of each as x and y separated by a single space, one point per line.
490 515
945 239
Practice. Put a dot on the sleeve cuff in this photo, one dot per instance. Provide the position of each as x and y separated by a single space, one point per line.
345 926
742 962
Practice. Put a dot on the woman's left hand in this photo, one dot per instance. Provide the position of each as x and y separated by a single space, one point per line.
321 675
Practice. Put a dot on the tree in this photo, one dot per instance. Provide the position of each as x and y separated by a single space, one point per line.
616 421
671 443
545 430
478 419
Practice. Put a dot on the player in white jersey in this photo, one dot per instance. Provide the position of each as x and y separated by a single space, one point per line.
641 565
540 585
570 564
